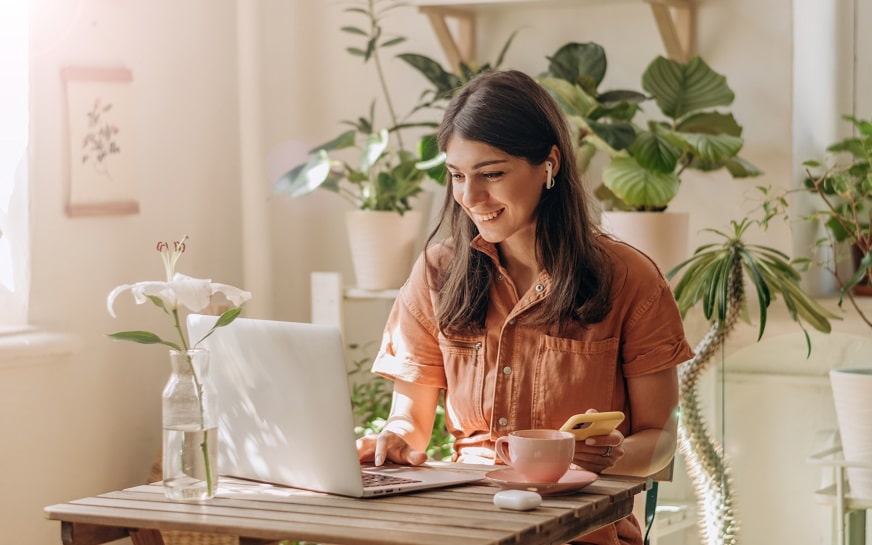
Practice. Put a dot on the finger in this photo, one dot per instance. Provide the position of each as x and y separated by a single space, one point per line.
381 448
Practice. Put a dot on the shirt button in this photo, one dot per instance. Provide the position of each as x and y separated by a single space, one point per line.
503 421
507 370
499 277
540 288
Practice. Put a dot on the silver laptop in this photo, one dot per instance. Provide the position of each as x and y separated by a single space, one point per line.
285 413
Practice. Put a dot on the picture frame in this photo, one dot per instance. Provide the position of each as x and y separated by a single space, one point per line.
101 173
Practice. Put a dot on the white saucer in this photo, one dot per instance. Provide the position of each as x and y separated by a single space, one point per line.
573 480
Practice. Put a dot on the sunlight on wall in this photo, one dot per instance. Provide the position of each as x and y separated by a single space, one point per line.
13 147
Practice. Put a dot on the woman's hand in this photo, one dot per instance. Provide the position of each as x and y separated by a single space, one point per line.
390 447
600 452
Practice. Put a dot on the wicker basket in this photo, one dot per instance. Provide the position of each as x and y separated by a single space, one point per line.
172 537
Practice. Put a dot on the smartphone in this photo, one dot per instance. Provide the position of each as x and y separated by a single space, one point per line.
590 424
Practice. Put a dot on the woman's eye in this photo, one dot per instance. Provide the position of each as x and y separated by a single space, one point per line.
492 175
456 176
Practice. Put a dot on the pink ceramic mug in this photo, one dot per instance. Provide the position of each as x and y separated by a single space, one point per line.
540 456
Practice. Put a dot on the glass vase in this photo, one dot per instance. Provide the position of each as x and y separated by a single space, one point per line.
190 431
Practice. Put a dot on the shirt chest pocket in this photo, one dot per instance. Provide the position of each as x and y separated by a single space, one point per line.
571 377
463 358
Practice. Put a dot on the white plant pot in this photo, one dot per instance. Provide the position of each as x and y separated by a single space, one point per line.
661 235
852 396
383 246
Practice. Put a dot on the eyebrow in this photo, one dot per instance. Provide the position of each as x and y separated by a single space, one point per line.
482 164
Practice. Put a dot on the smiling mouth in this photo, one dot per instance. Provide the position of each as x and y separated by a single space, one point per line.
490 216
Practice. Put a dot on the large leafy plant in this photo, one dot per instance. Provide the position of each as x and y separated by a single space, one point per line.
648 159
386 173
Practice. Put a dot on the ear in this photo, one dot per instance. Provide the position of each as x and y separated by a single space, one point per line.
554 160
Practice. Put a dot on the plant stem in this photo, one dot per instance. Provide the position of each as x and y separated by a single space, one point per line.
204 445
381 75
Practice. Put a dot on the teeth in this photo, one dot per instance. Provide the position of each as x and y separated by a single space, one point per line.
488 217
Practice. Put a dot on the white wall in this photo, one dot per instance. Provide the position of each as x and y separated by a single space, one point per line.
91 423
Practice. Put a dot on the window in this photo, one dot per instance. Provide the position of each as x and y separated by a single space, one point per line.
13 162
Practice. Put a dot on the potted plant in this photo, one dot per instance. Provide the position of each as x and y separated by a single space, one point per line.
715 277
384 177
646 161
388 173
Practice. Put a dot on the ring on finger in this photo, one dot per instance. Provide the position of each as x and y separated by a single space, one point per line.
608 452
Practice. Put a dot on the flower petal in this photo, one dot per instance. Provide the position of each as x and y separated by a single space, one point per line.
194 293
110 299
163 290
233 294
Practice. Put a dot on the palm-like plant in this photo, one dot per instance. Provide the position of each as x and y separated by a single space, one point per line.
714 276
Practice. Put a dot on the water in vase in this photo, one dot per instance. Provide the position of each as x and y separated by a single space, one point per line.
189 470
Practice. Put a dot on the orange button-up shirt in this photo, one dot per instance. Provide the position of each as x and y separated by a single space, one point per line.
515 376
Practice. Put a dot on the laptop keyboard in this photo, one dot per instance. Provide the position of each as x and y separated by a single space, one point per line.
380 479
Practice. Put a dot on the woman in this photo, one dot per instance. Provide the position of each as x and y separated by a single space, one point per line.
526 314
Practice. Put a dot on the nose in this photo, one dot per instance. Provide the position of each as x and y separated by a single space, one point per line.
470 193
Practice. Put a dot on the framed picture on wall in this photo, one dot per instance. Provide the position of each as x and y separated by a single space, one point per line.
99 116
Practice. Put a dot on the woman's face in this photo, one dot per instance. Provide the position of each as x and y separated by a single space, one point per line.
498 191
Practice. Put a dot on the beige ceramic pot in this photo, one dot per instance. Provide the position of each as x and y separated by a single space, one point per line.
383 246
852 395
662 236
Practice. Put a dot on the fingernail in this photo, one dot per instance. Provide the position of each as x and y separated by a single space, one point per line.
379 460
590 442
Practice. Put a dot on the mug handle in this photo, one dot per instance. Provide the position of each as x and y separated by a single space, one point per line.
501 447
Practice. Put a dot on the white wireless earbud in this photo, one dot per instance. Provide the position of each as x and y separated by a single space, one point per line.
549 175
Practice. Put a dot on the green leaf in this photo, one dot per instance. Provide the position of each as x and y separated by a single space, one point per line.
344 140
655 153
432 160
373 149
583 64
617 135
228 316
680 89
639 187
307 177
710 123
142 337
353 30
445 82
572 98
713 147
393 41
740 168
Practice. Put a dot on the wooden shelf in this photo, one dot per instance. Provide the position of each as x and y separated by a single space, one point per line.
675 19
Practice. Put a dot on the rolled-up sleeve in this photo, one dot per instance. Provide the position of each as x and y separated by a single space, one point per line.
409 348
654 338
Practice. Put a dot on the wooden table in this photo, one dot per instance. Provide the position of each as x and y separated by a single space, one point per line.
261 514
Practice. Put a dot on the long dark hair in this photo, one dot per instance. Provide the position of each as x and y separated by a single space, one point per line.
510 111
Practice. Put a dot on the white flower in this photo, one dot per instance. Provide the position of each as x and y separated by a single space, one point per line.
179 290
195 294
